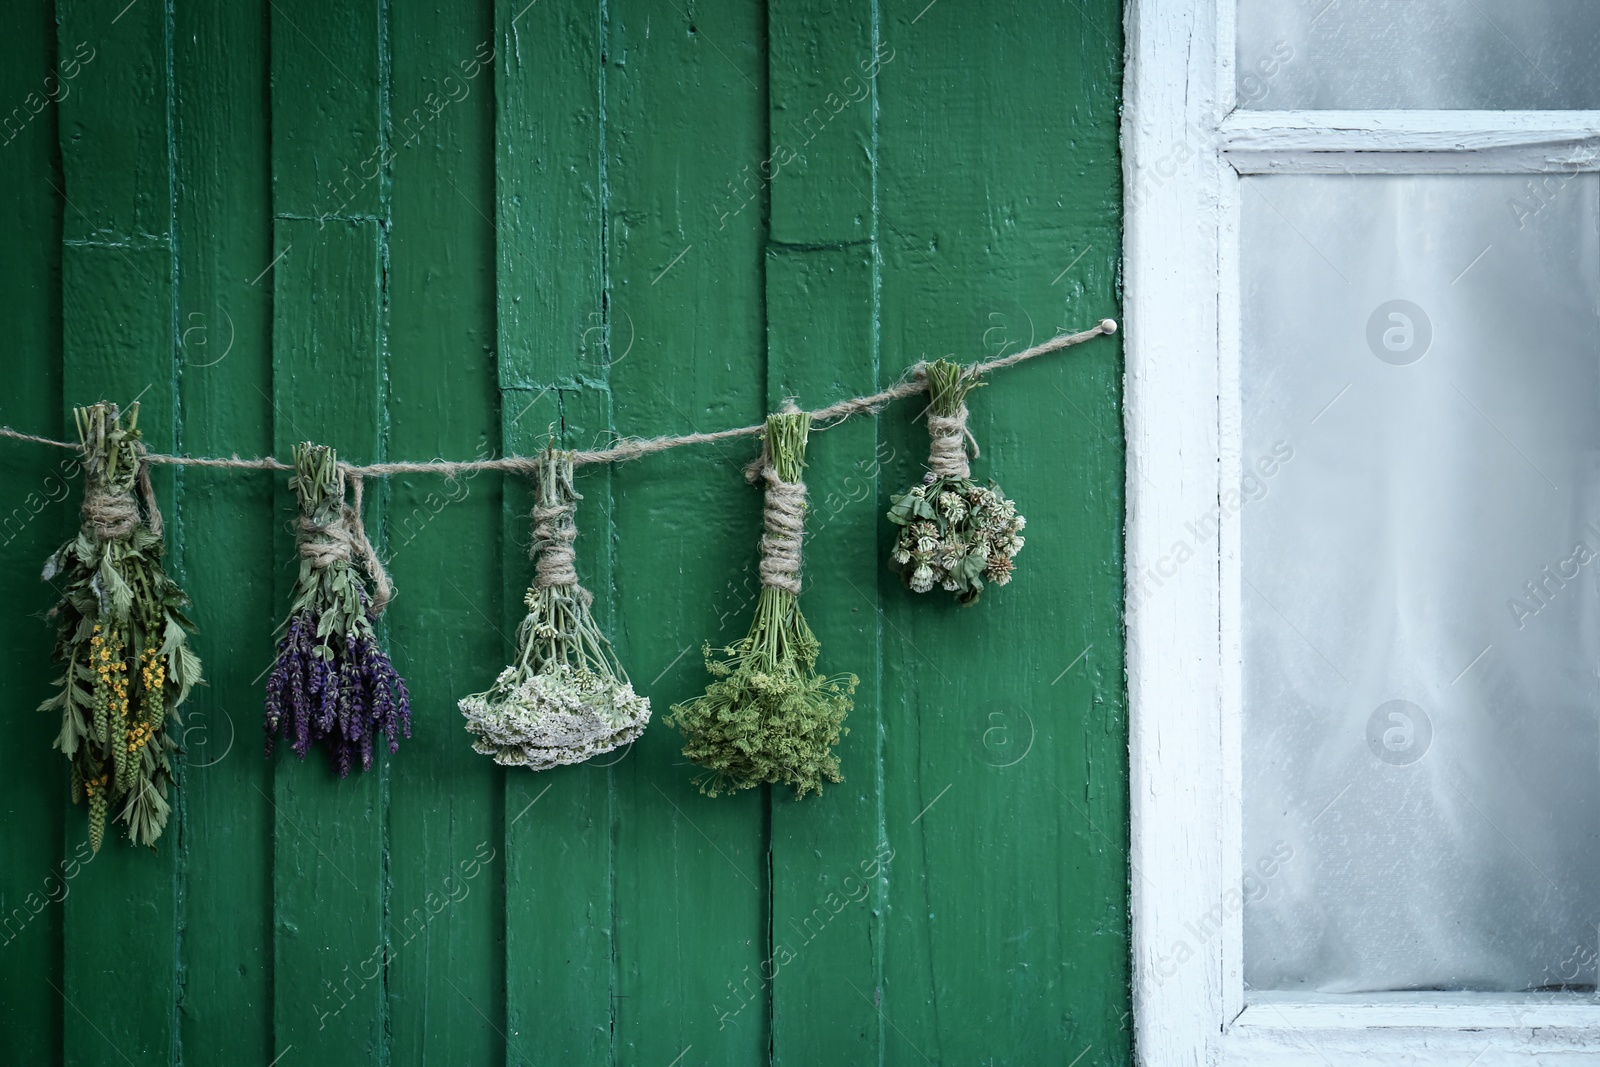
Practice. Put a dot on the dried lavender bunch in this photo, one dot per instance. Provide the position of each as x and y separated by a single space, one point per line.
768 716
331 682
953 533
566 697
123 637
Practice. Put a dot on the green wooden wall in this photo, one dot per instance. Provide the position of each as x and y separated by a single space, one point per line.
411 229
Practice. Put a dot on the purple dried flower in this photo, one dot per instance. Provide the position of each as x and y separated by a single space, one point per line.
341 699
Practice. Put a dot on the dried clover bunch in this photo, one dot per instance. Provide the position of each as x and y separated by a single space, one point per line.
768 716
953 533
123 637
566 697
331 683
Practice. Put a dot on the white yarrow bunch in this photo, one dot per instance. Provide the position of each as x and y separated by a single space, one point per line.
556 716
565 698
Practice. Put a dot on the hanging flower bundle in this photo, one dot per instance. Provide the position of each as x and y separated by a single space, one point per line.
331 683
953 533
122 638
768 716
565 698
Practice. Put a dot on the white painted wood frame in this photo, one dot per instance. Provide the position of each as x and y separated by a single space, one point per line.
1184 148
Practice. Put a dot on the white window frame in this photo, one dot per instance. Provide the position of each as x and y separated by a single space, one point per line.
1184 148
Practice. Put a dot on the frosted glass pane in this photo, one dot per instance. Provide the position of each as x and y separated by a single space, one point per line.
1446 54
1420 520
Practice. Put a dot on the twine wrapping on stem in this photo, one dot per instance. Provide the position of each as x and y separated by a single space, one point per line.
554 531
947 444
110 512
109 515
341 536
784 516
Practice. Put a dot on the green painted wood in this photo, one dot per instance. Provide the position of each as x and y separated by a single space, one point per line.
37 874
549 181
329 835
825 949
695 213
115 124
686 110
823 61
329 145
559 951
120 928
119 936
1004 769
445 856
225 361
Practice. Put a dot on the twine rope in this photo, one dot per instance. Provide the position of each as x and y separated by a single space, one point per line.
109 516
629 448
553 533
555 528
148 491
342 538
113 516
784 516
947 444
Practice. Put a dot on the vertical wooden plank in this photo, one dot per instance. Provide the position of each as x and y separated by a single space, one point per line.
1006 766
685 91
822 345
332 139
445 980
224 232
553 356
548 185
120 937
35 486
823 63
329 157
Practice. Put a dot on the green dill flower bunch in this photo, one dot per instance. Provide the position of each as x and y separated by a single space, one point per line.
954 534
566 697
122 636
768 716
